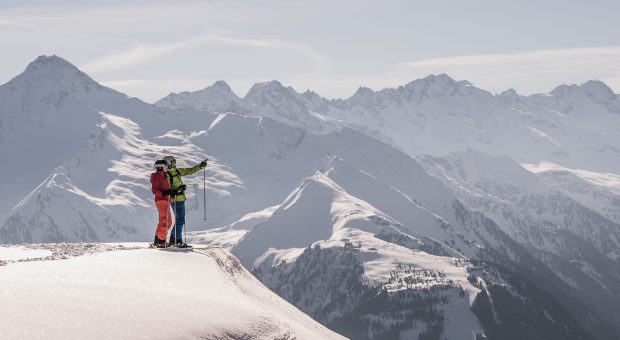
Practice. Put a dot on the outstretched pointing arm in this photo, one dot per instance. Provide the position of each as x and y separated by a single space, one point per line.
192 170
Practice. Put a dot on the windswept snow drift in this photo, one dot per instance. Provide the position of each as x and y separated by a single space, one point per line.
143 293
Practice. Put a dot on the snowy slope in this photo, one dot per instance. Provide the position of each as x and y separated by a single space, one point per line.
578 244
381 177
253 164
597 191
102 194
50 115
127 294
104 165
495 185
322 214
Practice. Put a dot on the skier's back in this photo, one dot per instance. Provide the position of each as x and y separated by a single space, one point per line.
161 189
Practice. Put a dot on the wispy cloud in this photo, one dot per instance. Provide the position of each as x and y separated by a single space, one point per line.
322 61
133 56
605 54
145 52
19 22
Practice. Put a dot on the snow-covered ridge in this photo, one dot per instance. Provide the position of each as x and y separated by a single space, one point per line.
127 293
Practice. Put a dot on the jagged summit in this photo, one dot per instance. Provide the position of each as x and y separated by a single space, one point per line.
50 61
510 96
594 89
599 89
53 80
218 97
441 78
432 80
363 91
222 85
510 92
581 100
221 88
272 86
57 68
272 99
311 95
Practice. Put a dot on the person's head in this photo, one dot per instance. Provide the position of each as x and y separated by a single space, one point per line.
160 165
172 163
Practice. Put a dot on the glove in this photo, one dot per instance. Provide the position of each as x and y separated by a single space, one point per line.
203 164
169 192
181 189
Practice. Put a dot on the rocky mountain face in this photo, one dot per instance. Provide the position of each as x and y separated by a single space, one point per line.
511 216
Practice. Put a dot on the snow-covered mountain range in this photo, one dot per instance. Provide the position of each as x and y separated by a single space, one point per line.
573 126
427 211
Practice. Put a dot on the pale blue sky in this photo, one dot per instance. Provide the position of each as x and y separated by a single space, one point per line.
150 48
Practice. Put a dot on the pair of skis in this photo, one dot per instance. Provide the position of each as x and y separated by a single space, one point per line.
153 245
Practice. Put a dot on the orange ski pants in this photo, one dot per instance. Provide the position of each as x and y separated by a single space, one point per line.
165 219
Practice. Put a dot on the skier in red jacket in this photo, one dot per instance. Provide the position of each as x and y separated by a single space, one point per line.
162 191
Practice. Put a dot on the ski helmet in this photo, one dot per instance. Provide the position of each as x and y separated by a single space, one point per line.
160 164
170 160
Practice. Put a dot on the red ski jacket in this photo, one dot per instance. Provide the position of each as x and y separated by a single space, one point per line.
159 183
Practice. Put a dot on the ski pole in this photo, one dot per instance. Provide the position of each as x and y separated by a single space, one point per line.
204 192
168 219
176 220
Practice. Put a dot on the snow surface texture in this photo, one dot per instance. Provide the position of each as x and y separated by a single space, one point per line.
127 294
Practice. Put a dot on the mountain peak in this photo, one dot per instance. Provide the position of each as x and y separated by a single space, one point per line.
510 92
220 88
49 61
52 80
272 86
594 89
509 96
598 87
439 78
55 71
310 94
222 85
363 91
218 97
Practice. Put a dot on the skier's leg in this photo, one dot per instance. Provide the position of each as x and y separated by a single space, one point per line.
163 223
168 216
175 206
180 220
